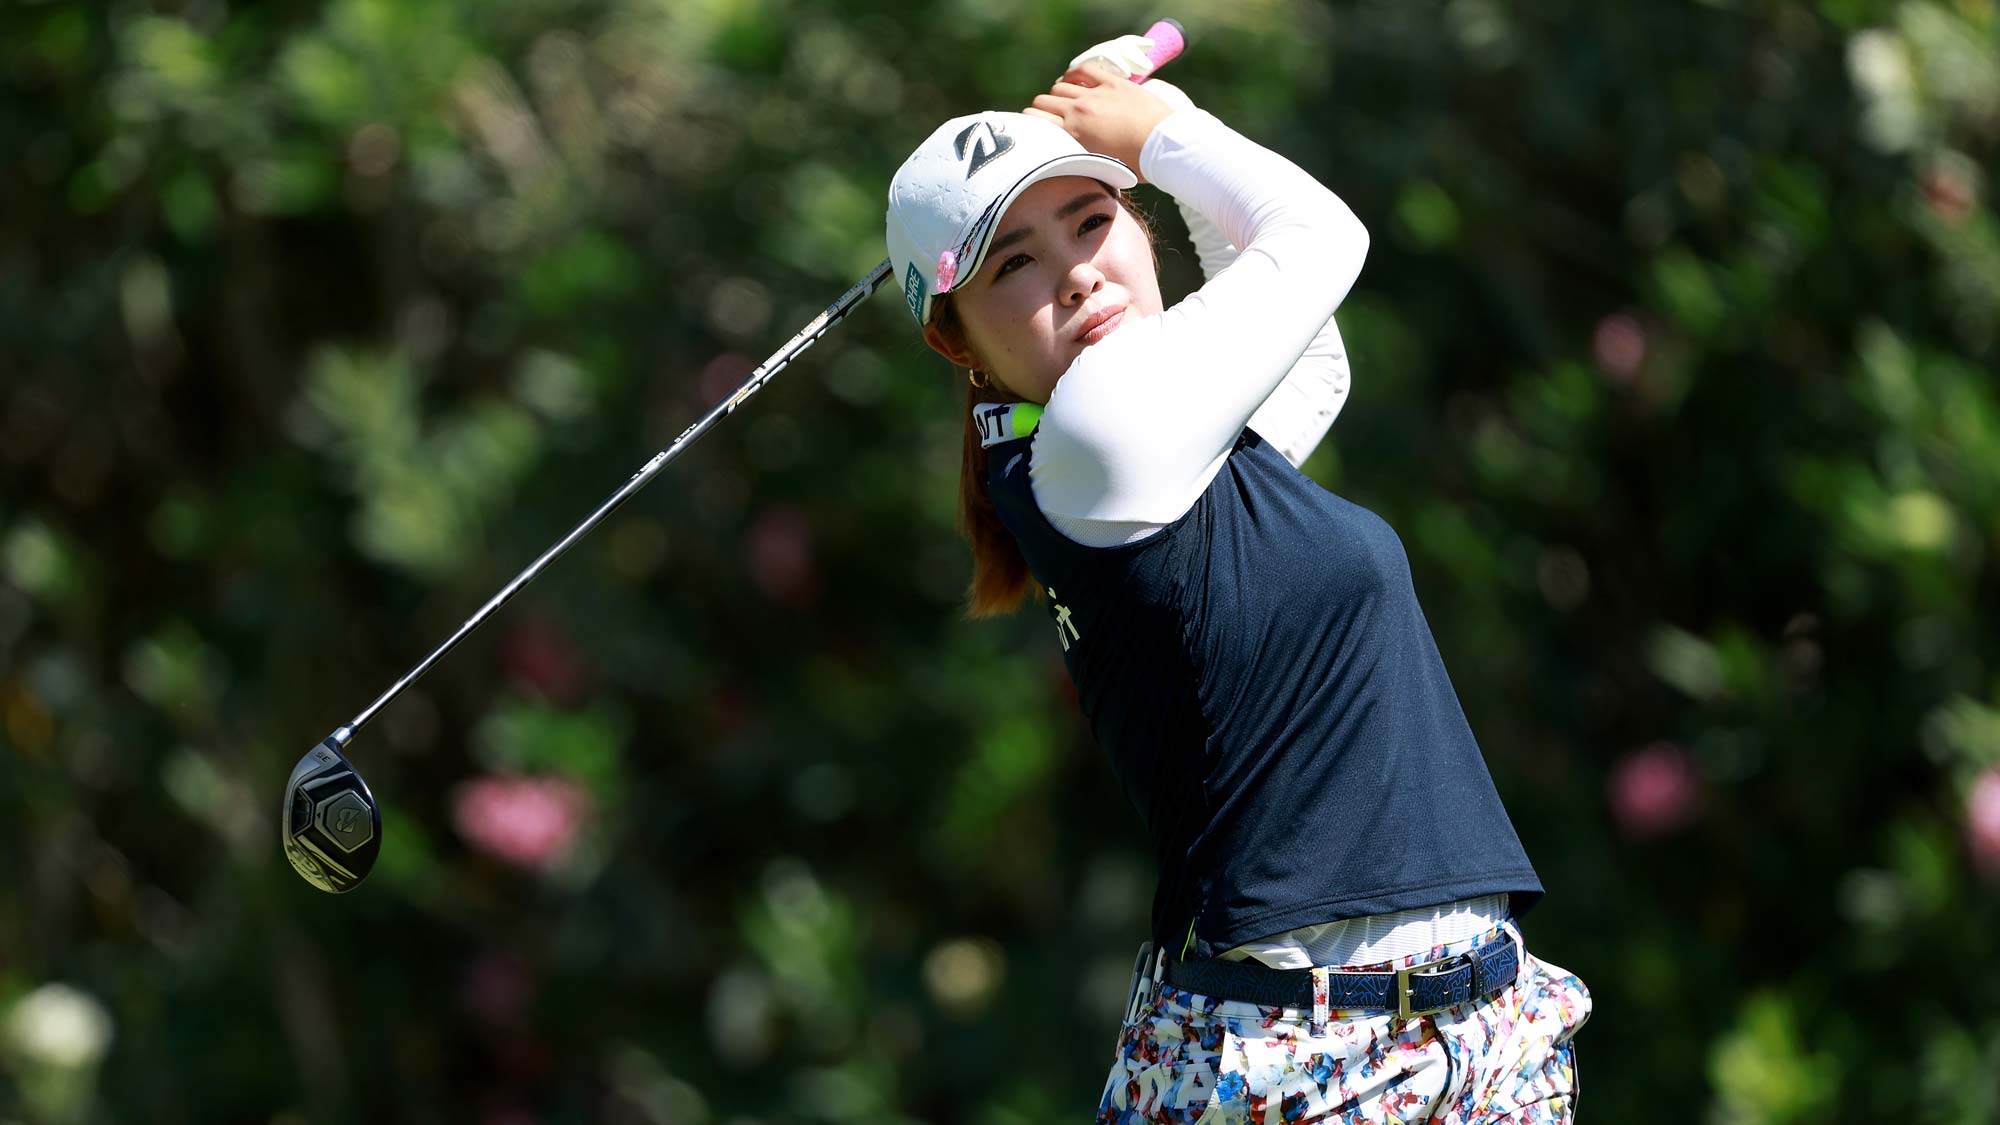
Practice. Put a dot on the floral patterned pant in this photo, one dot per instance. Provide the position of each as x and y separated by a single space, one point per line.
1506 1058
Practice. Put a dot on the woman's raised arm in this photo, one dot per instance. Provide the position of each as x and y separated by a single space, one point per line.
1141 422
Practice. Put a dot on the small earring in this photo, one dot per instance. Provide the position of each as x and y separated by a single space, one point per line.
978 379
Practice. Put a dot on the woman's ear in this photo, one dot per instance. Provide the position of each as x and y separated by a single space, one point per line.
952 346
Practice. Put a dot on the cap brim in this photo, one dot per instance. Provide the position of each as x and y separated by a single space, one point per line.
1105 168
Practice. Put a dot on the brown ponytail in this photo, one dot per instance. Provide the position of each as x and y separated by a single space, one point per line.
1000 577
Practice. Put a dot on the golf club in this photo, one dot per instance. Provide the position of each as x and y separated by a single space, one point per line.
332 826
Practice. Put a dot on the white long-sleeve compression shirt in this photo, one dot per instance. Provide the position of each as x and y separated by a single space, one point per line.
1141 422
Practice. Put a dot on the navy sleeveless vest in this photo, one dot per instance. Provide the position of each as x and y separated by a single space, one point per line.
1271 699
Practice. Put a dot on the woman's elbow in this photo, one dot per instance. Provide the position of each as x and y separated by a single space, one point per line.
1343 249
1350 238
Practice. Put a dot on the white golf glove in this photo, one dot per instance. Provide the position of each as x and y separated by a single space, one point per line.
1126 54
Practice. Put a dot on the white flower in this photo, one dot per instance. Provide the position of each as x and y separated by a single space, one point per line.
60 1026
1879 63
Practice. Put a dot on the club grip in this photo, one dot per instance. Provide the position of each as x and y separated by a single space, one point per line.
1169 40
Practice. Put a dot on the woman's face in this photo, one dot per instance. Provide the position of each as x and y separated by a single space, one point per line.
1068 266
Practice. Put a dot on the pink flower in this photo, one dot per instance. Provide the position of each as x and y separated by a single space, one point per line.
1949 192
1619 346
779 550
498 988
527 821
540 656
1654 791
1982 821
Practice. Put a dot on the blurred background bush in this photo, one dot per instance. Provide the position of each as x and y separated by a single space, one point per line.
1674 366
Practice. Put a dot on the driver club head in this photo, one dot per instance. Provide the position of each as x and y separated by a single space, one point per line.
333 830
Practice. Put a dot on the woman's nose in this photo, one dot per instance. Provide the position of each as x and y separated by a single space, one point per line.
1081 281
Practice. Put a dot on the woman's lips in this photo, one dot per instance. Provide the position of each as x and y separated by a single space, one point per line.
1101 325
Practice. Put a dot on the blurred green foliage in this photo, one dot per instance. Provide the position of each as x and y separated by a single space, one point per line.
1674 366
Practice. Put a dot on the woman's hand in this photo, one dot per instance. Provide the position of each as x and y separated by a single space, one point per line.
1105 111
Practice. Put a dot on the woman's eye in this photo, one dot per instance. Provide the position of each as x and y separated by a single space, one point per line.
1093 223
1010 265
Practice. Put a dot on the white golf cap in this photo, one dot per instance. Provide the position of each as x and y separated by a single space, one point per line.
948 197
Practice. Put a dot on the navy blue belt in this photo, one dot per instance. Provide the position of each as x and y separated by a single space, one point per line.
1419 990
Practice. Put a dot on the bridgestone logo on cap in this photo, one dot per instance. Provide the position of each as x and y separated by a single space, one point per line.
913 292
995 142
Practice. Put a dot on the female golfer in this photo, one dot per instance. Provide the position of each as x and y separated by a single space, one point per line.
1332 934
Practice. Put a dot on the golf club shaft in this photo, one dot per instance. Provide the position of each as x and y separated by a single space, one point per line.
806 337
1169 42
